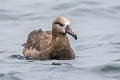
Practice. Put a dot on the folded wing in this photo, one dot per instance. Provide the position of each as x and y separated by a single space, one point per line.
37 43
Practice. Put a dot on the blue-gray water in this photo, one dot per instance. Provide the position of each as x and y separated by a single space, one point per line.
96 22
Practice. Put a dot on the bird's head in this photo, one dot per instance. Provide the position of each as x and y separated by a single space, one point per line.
61 26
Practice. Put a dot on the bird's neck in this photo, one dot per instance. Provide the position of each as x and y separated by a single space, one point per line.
60 41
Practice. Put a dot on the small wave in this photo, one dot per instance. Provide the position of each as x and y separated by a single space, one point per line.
64 6
116 60
114 67
117 43
9 76
17 57
56 63
2 51
86 47
90 2
111 68
96 12
116 7
2 75
5 11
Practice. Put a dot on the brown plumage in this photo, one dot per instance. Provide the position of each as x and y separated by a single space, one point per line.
47 45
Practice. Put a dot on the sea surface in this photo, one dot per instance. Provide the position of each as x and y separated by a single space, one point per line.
96 23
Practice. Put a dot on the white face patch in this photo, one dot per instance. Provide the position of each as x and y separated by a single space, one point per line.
66 23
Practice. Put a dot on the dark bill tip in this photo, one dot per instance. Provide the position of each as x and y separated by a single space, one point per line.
75 37
69 31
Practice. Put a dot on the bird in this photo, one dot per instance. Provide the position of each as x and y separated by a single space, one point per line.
50 45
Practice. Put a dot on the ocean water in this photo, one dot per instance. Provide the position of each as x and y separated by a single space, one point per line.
96 22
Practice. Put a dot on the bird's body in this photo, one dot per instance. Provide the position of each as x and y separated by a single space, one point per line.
46 45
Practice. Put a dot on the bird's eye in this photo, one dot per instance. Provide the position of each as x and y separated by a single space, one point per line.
61 24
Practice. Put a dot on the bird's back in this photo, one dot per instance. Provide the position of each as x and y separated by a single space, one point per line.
38 42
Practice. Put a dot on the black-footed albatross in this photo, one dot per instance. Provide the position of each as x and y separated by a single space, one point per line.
47 45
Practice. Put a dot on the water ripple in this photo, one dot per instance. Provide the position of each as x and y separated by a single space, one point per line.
3 51
17 57
111 68
90 3
96 11
64 6
10 76
116 7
